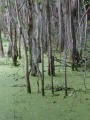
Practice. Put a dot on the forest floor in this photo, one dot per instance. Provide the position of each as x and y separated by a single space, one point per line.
17 104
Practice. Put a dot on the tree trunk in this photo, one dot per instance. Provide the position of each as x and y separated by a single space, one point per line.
9 27
71 38
50 69
14 50
33 57
25 50
1 46
42 45
61 27
19 47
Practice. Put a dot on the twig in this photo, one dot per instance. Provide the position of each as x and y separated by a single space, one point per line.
83 16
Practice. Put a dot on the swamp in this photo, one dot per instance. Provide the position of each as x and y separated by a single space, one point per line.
44 59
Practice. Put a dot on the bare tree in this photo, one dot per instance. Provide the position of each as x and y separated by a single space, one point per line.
50 64
25 50
9 27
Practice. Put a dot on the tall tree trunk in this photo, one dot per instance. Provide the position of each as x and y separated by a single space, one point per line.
33 36
9 27
1 46
19 46
42 46
71 38
61 27
33 57
65 50
25 50
50 67
14 49
80 28
84 25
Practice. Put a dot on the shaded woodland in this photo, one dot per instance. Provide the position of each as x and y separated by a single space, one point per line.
44 59
58 29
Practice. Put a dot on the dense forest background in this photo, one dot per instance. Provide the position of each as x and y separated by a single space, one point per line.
45 27
48 42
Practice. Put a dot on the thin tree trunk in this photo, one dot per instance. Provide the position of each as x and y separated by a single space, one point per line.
42 47
85 25
66 19
61 27
49 43
80 28
1 46
19 48
14 49
65 54
9 27
25 50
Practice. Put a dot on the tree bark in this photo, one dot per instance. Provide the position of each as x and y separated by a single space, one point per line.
61 27
25 51
1 46
14 49
50 69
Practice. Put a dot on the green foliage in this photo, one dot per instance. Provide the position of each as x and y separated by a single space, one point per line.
16 21
12 3
87 0
52 2
2 8
89 22
39 2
